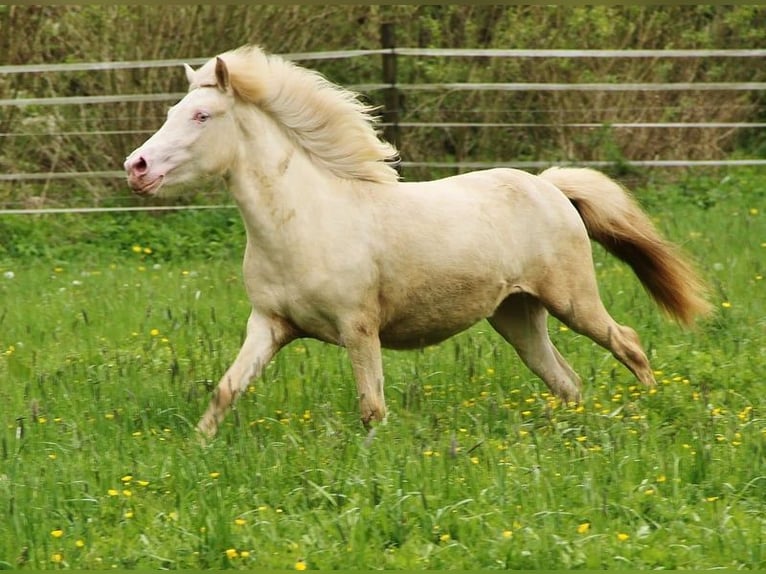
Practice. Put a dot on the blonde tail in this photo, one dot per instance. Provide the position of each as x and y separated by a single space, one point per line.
615 220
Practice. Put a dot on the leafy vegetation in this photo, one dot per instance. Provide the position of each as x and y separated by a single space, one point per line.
88 138
108 354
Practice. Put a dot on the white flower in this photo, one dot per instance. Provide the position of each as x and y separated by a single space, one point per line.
9 275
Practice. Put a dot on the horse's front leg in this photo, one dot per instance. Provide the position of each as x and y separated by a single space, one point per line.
363 347
265 336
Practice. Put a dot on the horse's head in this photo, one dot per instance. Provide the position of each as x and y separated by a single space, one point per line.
195 140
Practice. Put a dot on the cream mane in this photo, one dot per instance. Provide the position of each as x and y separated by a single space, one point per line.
329 122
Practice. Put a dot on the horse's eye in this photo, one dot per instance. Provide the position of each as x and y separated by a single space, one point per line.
201 117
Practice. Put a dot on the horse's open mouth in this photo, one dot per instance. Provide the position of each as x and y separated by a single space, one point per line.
150 188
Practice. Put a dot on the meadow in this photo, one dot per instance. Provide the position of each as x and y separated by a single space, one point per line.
112 337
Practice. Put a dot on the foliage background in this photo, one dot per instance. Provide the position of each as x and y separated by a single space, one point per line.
138 32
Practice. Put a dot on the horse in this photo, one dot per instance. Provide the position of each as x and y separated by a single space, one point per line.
340 249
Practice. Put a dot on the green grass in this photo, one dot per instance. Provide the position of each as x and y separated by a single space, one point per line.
107 361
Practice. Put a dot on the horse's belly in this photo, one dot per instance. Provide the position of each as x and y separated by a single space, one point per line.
431 314
415 336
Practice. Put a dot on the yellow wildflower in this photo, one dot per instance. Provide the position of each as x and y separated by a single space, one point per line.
57 533
583 528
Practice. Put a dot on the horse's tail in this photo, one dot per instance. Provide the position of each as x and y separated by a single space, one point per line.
615 220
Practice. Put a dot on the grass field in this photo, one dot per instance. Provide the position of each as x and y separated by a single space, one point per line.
109 350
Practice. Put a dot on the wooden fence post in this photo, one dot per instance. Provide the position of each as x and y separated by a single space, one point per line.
390 113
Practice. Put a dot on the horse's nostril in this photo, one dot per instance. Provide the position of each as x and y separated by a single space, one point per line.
140 166
136 167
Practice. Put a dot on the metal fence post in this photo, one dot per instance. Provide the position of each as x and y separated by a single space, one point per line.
391 96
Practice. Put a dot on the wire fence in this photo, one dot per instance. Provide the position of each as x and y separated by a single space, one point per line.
388 84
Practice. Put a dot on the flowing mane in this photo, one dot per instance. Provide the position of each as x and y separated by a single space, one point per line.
327 121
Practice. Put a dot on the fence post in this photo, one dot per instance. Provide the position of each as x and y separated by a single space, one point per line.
390 113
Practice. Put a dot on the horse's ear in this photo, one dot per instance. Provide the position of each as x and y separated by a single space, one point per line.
189 73
221 74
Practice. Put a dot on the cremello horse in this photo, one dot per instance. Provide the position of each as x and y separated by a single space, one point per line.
338 249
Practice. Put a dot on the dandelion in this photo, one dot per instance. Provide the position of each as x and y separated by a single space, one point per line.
726 304
129 514
127 478
136 249
711 498
475 459
231 553
143 483
127 492
154 332
583 528
744 414
57 533
79 543
301 565
507 534
240 521
622 537
215 475
57 557
445 537
753 211
245 554
113 492
147 250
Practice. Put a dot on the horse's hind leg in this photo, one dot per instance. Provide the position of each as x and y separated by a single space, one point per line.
573 299
521 320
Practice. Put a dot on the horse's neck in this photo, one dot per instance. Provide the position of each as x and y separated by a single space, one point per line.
273 181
